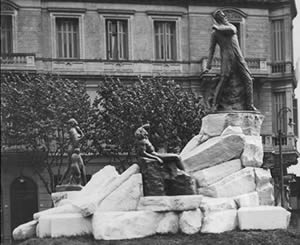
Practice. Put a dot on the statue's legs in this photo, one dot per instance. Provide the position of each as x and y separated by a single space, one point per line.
170 157
249 94
83 174
218 91
75 173
247 79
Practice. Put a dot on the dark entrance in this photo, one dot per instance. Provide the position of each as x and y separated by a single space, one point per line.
23 200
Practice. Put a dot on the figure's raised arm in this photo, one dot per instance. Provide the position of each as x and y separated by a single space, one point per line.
228 29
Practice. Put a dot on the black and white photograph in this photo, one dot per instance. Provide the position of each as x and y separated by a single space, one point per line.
150 122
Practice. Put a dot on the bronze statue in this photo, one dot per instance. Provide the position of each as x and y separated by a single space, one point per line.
232 61
78 173
146 150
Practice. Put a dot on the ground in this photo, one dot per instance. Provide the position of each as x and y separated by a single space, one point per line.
275 237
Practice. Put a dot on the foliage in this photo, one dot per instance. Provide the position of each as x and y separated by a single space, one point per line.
34 112
174 114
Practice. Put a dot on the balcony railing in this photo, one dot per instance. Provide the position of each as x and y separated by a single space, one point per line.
17 60
271 142
281 67
253 63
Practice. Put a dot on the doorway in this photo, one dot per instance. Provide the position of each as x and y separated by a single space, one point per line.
23 200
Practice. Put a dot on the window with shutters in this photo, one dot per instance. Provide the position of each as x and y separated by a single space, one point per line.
6 34
117 39
67 38
165 40
278 40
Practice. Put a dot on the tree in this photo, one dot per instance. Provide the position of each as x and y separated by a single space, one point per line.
174 114
34 112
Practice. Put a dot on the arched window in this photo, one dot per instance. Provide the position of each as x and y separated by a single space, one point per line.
23 201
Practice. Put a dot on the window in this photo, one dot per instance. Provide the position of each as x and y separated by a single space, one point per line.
278 40
165 40
280 121
117 39
6 34
67 38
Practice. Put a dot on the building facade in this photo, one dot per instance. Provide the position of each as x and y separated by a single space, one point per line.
85 40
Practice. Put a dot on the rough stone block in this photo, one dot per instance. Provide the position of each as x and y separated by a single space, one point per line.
190 221
168 224
213 151
124 198
170 203
57 197
232 130
262 177
211 204
43 228
219 221
89 205
238 183
70 225
192 144
125 225
247 200
67 208
266 194
263 218
208 176
99 181
253 153
25 231
214 124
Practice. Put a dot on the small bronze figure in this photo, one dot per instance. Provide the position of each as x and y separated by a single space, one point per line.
232 61
78 173
145 149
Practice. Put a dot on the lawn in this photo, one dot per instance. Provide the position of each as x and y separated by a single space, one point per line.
275 237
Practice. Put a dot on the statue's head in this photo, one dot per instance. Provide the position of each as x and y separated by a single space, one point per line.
72 122
77 150
220 17
141 133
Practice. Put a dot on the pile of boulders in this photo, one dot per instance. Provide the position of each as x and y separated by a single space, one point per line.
233 192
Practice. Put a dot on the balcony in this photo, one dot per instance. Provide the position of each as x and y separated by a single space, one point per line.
256 65
18 61
271 142
281 67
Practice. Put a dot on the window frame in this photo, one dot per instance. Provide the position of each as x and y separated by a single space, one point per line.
177 21
117 14
81 45
172 43
273 41
13 13
125 42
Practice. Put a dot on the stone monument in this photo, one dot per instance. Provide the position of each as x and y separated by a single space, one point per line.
157 197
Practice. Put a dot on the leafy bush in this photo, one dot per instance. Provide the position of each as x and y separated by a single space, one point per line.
174 114
34 112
